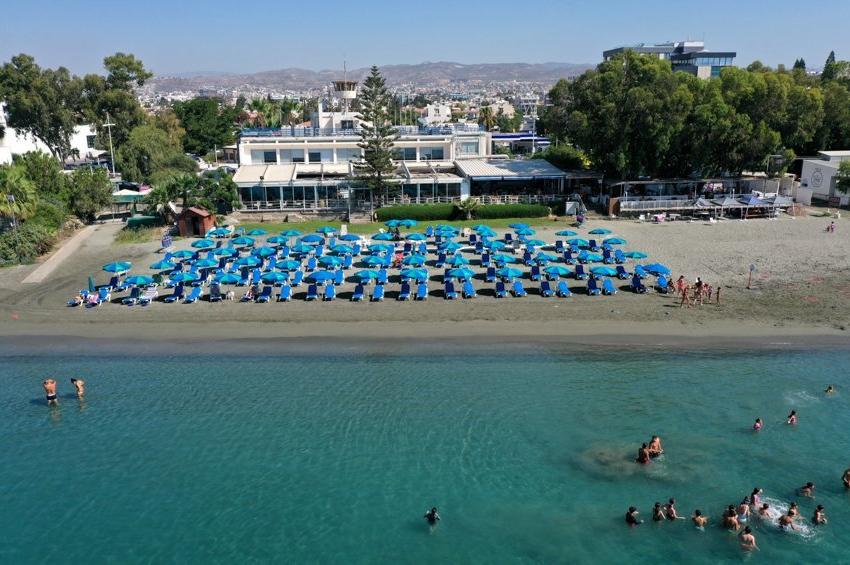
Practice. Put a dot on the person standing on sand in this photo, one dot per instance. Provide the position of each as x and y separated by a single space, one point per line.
686 296
50 392
717 296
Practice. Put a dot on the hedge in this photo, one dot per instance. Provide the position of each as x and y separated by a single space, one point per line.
23 244
493 211
422 212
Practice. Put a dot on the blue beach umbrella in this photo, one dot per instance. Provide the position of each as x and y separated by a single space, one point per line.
274 277
413 273
257 231
118 267
264 251
312 239
290 233
589 257
350 237
603 271
656 269
320 276
481 227
508 273
386 236
462 273
326 230
445 227
219 232
578 242
163 265
542 258
557 271
449 246
330 261
615 241
414 260
524 231
503 258
446 234
535 243
381 248
375 261
242 241
227 278
394 223
408 223
302 248
635 254
138 280
277 240
457 261
288 265
495 245
600 231
224 252
566 233
203 244
366 275
184 277
415 237
342 249
518 226
206 263
249 261
487 232
183 254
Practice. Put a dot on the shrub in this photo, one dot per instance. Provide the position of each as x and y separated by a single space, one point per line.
493 211
25 243
422 212
50 214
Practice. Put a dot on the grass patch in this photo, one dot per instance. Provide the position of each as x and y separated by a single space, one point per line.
312 225
138 235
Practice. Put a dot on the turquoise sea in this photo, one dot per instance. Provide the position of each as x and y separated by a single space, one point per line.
327 459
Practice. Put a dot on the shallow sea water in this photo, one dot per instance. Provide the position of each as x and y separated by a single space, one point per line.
324 459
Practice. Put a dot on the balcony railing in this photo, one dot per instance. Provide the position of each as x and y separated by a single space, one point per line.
447 129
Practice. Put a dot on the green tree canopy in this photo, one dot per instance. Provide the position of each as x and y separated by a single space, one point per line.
45 171
207 122
90 192
149 153
18 195
377 135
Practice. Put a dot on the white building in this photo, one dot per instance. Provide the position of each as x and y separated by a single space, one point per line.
17 143
436 114
818 175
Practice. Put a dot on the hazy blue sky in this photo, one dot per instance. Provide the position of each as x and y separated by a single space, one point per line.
246 36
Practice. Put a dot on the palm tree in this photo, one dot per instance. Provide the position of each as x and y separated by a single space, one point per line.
18 196
486 118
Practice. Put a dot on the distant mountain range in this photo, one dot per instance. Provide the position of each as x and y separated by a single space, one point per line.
422 74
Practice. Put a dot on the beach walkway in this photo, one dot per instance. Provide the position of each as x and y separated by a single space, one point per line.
69 248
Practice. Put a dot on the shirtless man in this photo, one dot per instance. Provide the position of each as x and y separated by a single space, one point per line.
699 520
730 520
655 448
632 517
819 517
743 511
845 478
764 511
50 392
80 385
793 511
787 521
658 513
748 540
792 418
670 510
808 489
643 455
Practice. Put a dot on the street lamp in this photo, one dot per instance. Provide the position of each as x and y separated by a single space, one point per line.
10 198
108 125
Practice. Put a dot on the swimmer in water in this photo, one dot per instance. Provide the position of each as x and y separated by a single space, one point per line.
792 418
829 390
755 497
670 510
80 386
658 513
757 426
730 520
845 478
632 517
807 489
655 448
50 392
764 511
819 517
432 517
787 521
699 520
793 511
748 540
643 455
743 511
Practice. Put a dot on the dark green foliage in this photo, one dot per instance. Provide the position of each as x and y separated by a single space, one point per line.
494 211
563 156
829 69
800 64
208 124
149 151
50 214
89 192
25 243
421 212
377 135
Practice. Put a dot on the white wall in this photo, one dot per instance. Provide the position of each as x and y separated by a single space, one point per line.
818 176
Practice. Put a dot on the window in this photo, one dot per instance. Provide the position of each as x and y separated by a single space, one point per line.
90 141
346 155
404 153
315 156
269 157
346 124
432 153
291 156
467 148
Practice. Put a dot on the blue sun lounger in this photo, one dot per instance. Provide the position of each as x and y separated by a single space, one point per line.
485 259
312 292
593 245
297 278
378 293
535 273
608 288
357 295
579 273
509 238
284 294
559 246
500 290
311 263
421 291
382 276
568 257
622 274
285 251
637 286
563 289
330 293
404 294
193 296
619 257
640 272
662 285
607 258
422 249
133 298
449 290
592 287
339 277
175 296
115 284
215 293
491 274
347 261
441 260
546 289
265 294
517 289
468 291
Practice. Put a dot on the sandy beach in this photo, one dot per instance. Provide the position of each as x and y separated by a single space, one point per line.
799 294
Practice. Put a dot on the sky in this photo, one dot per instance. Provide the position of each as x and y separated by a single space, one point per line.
178 36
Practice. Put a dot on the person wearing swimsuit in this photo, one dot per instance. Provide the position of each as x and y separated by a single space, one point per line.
699 520
632 517
743 511
819 517
50 392
643 455
748 540
432 517
757 425
792 418
655 448
786 521
658 513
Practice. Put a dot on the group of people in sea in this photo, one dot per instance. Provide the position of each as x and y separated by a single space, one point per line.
695 294
49 386
736 516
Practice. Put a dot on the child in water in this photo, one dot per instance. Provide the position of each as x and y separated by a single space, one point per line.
792 418
757 425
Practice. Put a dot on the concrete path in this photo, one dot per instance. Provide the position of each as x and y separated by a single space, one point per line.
71 246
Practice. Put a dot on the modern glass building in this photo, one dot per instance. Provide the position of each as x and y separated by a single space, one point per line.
685 56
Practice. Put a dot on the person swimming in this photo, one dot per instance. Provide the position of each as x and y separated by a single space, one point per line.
730 519
643 455
786 521
632 517
757 426
755 497
80 386
845 478
764 511
655 448
658 513
830 389
432 516
743 511
748 540
670 510
50 392
699 520
819 517
793 511
807 489
792 418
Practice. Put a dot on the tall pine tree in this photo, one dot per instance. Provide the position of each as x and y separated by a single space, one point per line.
828 72
800 64
377 134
